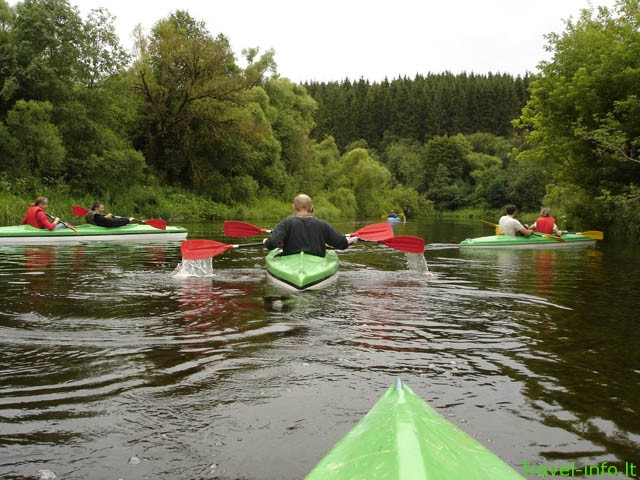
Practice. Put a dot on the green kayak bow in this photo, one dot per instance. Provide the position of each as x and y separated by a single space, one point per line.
403 438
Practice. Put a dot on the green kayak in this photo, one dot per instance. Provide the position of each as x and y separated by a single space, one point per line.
403 438
301 271
534 241
28 235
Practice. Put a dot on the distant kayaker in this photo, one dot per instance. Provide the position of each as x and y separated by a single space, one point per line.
96 216
37 217
510 226
545 223
302 232
393 214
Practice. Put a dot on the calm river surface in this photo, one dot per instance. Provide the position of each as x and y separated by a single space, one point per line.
112 369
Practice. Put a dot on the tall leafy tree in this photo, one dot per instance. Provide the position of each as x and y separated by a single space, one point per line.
584 112
201 121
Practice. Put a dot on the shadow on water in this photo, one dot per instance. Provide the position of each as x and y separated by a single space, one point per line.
110 364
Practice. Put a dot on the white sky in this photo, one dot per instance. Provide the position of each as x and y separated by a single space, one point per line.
327 40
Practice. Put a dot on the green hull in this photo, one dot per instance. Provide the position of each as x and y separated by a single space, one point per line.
404 438
534 241
301 271
26 234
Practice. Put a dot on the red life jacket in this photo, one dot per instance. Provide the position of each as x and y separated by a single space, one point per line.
38 221
545 224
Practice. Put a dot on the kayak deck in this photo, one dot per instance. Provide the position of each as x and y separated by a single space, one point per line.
301 271
534 241
26 234
402 437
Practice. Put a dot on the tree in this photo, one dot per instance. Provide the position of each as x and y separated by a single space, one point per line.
368 180
34 148
450 152
203 118
583 117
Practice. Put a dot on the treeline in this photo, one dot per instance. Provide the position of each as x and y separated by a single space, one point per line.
420 108
177 128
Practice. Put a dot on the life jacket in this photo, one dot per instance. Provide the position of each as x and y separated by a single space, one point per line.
545 224
31 218
89 217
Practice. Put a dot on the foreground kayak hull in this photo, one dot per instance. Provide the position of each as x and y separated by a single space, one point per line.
404 438
301 271
28 235
534 241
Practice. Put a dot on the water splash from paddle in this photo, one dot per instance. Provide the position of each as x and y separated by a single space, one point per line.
194 268
417 263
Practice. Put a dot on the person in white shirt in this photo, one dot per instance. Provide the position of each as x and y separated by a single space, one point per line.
508 224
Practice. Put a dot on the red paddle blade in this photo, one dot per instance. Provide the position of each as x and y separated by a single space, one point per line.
376 232
156 223
405 243
233 228
199 249
79 211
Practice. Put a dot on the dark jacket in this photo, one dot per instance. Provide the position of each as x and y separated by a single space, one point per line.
305 234
99 219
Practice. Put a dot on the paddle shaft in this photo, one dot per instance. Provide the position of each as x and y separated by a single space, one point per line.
68 225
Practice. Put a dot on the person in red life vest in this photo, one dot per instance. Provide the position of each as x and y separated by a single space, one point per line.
545 223
37 217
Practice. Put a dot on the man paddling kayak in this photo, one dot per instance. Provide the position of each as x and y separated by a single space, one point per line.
510 226
302 232
96 216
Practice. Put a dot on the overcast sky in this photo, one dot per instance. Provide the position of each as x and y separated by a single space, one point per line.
328 40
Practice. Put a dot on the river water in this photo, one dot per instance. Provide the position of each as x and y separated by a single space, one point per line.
112 369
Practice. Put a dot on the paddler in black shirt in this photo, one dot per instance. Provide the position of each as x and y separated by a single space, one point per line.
96 216
302 232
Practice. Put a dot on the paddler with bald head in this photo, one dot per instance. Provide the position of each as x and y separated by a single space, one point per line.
302 232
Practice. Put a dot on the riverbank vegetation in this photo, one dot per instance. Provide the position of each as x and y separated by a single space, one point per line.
182 129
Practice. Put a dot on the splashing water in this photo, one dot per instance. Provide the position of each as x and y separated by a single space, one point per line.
194 268
417 263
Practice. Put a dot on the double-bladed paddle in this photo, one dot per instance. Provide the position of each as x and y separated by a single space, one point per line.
375 232
555 238
199 249
154 222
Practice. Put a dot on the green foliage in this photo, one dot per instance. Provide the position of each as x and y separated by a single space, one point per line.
621 213
417 109
526 186
33 146
492 187
447 170
572 206
583 114
404 158
409 201
367 178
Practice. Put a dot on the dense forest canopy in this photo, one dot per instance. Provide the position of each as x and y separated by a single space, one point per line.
178 128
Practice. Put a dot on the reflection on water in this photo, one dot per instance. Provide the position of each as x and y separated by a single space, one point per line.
111 364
